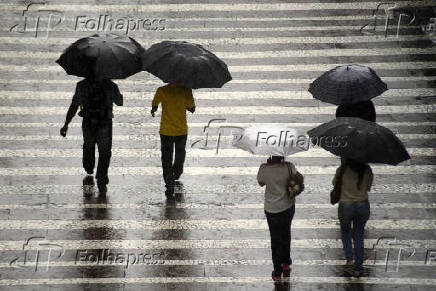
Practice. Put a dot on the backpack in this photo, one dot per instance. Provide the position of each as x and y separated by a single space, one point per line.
96 105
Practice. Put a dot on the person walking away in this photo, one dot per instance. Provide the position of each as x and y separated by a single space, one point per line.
95 99
173 131
279 209
356 182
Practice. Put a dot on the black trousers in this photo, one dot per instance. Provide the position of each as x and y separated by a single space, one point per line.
280 231
100 134
172 171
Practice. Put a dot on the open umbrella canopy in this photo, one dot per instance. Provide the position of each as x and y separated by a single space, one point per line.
359 140
102 56
186 64
347 84
276 140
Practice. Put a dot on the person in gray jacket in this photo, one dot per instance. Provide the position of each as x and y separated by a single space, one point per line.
279 209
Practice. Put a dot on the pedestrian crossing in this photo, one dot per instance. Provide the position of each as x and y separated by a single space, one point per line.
214 237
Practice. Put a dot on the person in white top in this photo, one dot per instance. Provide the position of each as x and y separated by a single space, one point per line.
279 209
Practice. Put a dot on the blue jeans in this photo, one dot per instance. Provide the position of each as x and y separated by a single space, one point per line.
279 225
358 213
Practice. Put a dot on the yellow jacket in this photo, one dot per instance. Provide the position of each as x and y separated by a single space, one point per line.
175 100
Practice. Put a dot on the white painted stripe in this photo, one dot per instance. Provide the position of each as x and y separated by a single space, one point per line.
215 7
218 28
222 40
224 110
198 262
231 280
191 153
219 170
262 54
199 124
205 244
202 94
157 82
206 206
264 18
254 68
228 189
372 224
154 137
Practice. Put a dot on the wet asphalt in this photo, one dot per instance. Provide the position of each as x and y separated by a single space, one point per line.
58 234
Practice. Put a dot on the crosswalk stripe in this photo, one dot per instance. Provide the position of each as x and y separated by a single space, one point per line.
245 110
218 170
205 206
208 224
228 189
219 7
153 137
254 68
146 153
216 28
229 41
260 54
211 95
196 262
200 124
207 244
239 81
232 280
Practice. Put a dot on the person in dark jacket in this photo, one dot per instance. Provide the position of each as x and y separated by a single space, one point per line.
95 99
364 110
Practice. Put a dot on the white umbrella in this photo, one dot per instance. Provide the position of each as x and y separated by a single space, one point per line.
275 140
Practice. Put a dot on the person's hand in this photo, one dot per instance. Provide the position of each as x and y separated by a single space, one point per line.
64 130
192 109
152 112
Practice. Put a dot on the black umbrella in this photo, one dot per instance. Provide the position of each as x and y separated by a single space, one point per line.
187 64
105 56
347 84
359 140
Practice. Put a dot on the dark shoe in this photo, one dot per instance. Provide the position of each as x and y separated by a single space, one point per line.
169 191
275 277
357 274
102 188
88 180
286 270
348 271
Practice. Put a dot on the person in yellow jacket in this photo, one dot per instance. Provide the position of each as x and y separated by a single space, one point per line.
173 131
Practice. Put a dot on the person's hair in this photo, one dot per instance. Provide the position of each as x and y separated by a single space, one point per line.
357 167
275 159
